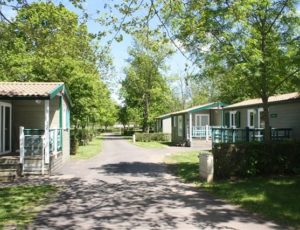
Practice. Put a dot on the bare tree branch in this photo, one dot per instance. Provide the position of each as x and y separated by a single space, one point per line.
291 75
277 16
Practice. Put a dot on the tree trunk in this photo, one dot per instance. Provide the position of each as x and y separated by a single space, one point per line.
146 115
267 136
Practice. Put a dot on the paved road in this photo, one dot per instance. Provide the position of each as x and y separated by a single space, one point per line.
127 187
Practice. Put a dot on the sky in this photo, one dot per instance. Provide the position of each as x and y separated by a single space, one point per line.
119 50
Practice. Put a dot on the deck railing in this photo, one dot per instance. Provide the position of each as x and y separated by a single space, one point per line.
201 131
234 135
33 141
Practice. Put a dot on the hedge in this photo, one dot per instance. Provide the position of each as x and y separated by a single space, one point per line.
146 137
255 159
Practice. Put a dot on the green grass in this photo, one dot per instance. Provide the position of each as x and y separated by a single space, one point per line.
185 165
151 144
20 204
88 151
275 198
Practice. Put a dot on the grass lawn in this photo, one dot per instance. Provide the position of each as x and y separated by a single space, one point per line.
276 198
151 144
185 165
87 151
20 204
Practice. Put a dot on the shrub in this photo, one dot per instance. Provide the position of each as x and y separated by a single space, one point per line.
147 137
254 159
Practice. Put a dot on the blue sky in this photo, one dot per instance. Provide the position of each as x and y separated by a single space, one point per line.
119 50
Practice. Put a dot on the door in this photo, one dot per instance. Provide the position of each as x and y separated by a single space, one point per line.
202 120
261 122
5 127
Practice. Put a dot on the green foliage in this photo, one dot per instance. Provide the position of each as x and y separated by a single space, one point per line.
46 42
253 159
20 204
147 137
144 87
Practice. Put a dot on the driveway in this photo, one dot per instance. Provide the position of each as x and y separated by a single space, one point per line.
128 187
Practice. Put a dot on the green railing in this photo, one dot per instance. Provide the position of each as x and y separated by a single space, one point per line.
201 131
234 135
34 141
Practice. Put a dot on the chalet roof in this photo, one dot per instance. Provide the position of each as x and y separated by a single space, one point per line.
164 116
272 99
31 90
212 105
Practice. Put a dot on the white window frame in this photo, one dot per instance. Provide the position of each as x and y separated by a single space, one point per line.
5 104
258 117
249 111
232 121
200 120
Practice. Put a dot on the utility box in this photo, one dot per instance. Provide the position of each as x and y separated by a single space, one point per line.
206 166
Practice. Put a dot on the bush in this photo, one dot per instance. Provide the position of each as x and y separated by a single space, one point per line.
254 159
147 137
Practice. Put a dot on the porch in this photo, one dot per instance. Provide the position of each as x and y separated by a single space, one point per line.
37 150
31 157
235 135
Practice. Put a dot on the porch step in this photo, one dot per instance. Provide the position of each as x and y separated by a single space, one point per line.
10 168
34 171
8 175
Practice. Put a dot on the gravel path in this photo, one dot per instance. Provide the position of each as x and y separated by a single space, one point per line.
127 187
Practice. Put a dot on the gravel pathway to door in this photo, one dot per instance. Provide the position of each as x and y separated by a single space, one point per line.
128 187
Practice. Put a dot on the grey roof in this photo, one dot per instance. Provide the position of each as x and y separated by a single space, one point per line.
272 99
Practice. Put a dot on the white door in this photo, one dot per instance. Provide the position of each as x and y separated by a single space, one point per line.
202 120
5 127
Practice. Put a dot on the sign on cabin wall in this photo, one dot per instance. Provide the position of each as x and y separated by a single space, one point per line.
273 115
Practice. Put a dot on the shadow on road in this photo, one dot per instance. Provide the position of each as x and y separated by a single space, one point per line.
158 203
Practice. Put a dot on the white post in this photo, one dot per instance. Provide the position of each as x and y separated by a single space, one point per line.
43 156
191 127
55 137
206 132
133 138
206 166
47 136
22 144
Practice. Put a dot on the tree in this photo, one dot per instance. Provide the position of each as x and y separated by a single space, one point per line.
144 86
249 46
46 42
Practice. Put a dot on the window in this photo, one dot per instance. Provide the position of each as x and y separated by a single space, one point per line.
251 118
180 126
5 127
202 120
232 119
261 122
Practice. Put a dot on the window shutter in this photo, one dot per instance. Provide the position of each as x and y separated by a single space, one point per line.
226 119
238 119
